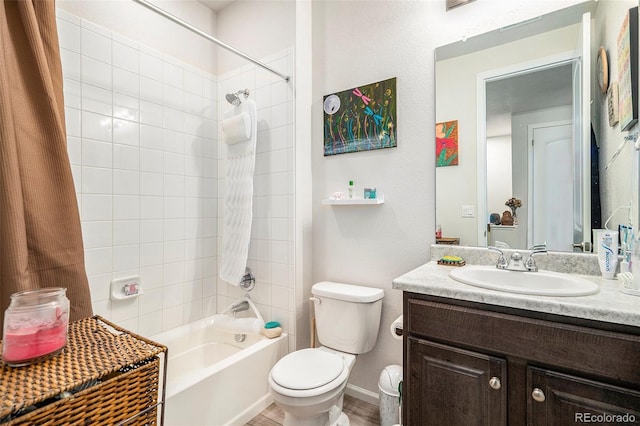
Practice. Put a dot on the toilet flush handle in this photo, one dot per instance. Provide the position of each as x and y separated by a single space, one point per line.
315 299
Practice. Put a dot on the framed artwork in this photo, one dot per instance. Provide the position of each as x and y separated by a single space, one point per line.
628 70
361 119
447 143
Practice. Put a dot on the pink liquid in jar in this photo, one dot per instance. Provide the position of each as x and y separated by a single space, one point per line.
25 344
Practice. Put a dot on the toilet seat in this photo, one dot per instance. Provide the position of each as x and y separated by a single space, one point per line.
308 372
307 369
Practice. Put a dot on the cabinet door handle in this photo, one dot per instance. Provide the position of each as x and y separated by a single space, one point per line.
494 382
538 395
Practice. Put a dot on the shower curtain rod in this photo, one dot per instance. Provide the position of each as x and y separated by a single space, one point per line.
201 33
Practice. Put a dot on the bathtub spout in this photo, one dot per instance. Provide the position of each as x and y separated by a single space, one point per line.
239 307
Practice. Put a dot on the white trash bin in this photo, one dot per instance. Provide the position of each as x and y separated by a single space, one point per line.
390 379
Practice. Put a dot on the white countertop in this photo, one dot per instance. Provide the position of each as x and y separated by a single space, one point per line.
608 305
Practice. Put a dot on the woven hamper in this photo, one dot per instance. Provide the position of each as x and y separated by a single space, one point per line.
106 375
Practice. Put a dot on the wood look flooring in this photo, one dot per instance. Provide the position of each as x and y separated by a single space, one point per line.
360 413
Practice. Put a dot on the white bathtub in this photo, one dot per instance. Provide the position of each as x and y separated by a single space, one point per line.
212 379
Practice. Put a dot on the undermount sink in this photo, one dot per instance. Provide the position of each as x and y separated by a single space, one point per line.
541 283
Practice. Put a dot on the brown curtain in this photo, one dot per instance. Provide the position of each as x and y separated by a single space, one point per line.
40 237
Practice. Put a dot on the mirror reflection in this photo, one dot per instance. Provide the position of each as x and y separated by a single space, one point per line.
533 135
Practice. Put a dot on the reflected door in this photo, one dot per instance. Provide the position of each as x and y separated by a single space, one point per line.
551 190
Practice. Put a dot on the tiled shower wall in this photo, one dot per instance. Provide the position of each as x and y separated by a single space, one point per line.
143 140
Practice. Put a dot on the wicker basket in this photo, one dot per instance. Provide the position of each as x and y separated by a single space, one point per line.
106 375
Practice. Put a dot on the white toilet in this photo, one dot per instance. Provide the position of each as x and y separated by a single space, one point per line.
309 384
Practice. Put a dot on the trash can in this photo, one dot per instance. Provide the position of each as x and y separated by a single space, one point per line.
388 384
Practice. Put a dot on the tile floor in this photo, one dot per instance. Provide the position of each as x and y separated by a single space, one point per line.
360 414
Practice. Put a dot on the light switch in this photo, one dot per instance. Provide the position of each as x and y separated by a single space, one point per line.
468 211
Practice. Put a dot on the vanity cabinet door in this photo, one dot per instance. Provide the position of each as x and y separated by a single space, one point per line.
452 386
559 399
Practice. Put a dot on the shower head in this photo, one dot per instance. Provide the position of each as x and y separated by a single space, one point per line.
235 99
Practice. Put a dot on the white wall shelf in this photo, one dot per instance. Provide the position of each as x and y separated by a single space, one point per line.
355 201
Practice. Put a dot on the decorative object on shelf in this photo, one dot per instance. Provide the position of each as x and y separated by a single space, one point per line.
370 193
507 218
602 68
613 104
513 203
361 119
447 143
628 70
494 219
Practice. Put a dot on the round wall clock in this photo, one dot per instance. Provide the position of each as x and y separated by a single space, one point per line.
603 70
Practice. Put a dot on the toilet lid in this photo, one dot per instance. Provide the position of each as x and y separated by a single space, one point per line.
307 369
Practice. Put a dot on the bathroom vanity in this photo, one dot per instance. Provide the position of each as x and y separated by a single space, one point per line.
474 356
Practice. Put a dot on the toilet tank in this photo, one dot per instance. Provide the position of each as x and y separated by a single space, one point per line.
347 316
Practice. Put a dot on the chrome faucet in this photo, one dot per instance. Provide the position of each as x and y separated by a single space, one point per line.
536 250
515 262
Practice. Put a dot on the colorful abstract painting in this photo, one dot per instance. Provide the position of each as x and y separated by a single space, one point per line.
447 143
361 119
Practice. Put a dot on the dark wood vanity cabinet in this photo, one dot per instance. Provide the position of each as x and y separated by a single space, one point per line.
474 364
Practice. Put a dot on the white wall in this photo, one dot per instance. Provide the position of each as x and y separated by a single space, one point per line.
257 28
356 43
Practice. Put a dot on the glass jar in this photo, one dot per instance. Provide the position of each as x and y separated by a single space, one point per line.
35 326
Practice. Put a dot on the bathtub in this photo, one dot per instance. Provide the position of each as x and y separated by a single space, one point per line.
212 379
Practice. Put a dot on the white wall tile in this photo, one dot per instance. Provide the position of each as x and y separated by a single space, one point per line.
96 46
71 67
96 99
126 107
151 114
125 57
96 72
126 157
151 90
69 35
151 160
98 260
150 66
126 232
96 207
126 207
126 132
126 182
151 136
97 180
126 82
151 230
151 207
72 93
174 207
96 234
173 75
96 126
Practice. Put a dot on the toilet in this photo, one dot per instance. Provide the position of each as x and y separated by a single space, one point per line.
309 384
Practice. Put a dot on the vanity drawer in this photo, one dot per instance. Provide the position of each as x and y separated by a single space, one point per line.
590 350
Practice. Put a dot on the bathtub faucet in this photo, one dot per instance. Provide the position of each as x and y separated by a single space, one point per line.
239 307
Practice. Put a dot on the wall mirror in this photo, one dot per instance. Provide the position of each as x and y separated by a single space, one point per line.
531 122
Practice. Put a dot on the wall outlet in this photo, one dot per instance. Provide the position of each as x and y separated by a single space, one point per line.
468 211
